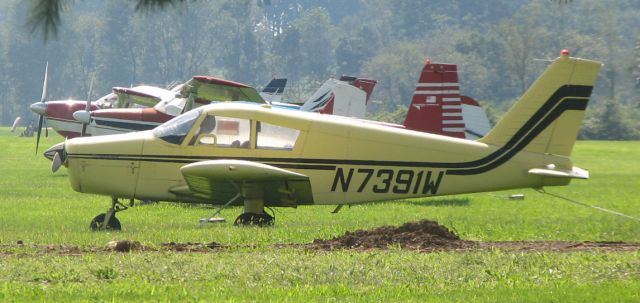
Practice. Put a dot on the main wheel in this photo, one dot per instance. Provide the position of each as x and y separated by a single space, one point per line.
254 219
113 224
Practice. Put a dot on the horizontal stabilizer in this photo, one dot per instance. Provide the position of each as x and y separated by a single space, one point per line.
575 173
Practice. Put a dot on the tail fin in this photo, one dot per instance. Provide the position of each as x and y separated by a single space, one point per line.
476 121
341 97
273 91
367 85
547 117
436 106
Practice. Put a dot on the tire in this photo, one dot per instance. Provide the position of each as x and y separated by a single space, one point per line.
113 224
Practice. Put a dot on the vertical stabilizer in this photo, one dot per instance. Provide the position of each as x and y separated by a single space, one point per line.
436 106
546 119
475 119
274 90
345 97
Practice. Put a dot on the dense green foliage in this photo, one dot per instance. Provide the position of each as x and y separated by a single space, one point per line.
496 45
39 209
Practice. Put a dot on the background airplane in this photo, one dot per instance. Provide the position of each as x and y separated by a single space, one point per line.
60 114
262 156
203 89
438 108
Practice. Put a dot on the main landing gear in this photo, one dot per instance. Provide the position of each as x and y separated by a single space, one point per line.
254 214
247 219
108 220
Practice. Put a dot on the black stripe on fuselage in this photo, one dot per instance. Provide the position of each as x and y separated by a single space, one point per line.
565 98
183 159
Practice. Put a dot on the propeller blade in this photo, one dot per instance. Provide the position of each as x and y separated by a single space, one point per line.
89 95
39 132
83 132
44 85
87 108
57 162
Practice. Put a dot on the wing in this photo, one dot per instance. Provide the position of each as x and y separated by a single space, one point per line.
216 89
217 180
137 96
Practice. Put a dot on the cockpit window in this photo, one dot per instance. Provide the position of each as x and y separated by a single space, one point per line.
276 137
174 130
222 131
108 101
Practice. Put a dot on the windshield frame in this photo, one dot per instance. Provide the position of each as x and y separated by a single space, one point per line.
176 130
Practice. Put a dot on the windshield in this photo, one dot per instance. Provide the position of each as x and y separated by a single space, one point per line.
174 130
108 101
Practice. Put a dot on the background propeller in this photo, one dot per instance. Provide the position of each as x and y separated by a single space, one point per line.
43 100
88 107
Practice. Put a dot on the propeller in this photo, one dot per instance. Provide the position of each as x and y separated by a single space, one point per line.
43 100
57 155
87 108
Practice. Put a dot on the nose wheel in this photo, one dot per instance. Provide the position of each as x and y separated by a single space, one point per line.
108 220
98 223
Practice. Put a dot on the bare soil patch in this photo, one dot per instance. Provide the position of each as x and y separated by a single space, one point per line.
422 236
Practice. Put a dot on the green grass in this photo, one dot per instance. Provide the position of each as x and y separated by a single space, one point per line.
40 208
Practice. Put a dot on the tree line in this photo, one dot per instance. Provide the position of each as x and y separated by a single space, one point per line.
500 47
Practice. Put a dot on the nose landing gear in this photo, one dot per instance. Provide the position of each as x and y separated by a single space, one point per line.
108 220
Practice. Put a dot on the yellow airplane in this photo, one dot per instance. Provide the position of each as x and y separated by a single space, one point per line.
259 156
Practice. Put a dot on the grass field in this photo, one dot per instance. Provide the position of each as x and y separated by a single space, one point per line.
40 209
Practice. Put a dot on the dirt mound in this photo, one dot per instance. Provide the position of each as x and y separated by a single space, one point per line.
421 235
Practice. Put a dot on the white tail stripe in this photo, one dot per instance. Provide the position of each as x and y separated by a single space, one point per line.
461 122
452 114
441 84
452 107
450 99
437 92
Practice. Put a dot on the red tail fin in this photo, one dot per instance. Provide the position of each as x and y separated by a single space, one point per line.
436 106
366 85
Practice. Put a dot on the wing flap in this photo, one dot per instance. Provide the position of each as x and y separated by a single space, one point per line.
216 178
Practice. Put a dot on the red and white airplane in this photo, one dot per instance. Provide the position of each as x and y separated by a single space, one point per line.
60 114
438 108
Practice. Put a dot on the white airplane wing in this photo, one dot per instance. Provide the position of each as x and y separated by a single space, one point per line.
137 95
216 89
219 180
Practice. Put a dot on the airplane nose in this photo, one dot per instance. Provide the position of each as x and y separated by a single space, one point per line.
82 116
39 108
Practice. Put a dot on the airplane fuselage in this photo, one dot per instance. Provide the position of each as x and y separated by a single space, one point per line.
346 160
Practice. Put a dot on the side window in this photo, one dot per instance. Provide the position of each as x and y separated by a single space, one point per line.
223 132
276 137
